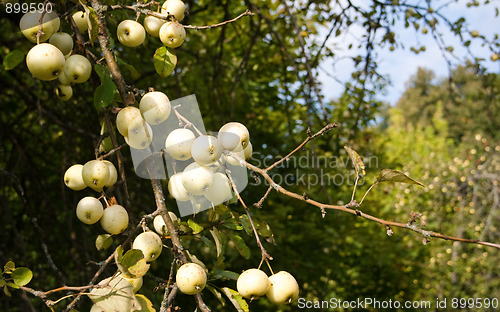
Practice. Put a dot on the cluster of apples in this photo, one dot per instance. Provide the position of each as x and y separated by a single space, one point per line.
205 176
96 174
172 34
280 288
49 61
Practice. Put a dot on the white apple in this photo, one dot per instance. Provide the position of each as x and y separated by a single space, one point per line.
62 41
206 150
248 151
125 117
95 174
232 134
73 178
176 8
77 68
196 178
220 190
284 288
155 107
89 210
64 92
136 282
140 134
172 34
150 244
191 278
234 157
30 25
178 143
45 61
82 21
176 189
114 219
131 33
152 24
160 226
253 283
113 174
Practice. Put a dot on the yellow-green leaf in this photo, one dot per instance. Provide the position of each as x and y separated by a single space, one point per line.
236 299
356 161
103 241
14 58
146 304
22 276
194 226
164 61
390 175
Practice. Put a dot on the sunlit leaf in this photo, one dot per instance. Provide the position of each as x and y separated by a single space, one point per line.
103 241
22 276
216 293
236 299
9 267
14 58
194 226
145 303
356 161
217 239
164 61
105 93
115 294
224 274
134 263
390 175
240 245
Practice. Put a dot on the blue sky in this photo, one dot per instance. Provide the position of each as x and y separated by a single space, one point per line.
402 63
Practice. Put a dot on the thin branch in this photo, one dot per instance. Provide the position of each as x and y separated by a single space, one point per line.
247 12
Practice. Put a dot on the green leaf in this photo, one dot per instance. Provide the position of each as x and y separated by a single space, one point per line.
6 291
216 293
134 73
240 245
194 259
22 276
264 230
389 175
93 22
134 263
12 285
103 241
14 58
104 94
246 224
146 304
232 224
224 274
194 226
217 239
9 267
164 61
356 161
2 283
236 299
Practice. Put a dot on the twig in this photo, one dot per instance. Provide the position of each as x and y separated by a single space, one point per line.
247 12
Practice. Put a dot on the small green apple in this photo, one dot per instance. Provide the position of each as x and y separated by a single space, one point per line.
30 25
220 190
113 174
125 117
64 92
95 174
191 278
196 178
160 226
89 210
114 219
77 68
82 21
177 8
206 150
155 107
178 143
248 151
62 41
73 178
284 288
150 244
152 24
176 189
131 33
232 134
136 282
45 61
253 284
172 34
